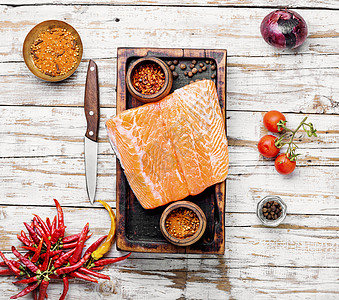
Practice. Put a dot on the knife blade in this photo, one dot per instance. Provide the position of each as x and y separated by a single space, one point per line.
92 113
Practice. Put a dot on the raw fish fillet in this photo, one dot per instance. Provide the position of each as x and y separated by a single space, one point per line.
174 147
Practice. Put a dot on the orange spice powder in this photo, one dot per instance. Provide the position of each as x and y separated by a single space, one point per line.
182 223
55 51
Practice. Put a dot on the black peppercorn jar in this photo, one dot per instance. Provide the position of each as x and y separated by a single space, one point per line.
277 210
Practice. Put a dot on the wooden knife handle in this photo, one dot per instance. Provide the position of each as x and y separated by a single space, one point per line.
91 105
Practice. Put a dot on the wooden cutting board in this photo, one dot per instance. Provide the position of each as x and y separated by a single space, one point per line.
137 228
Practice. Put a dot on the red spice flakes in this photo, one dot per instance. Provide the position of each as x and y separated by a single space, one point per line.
182 223
148 78
55 51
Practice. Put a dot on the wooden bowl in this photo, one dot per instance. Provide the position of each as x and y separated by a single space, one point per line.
163 92
33 35
191 239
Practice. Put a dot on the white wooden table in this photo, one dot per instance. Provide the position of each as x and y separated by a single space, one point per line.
42 157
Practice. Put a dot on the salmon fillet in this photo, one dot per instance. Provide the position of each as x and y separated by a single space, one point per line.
172 148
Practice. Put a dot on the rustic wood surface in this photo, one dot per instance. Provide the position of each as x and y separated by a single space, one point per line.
41 145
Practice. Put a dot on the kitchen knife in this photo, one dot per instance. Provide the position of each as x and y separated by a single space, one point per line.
92 113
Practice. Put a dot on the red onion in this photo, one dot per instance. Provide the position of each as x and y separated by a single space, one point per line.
284 29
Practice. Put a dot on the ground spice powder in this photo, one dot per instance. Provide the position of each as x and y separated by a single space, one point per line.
148 78
55 51
182 223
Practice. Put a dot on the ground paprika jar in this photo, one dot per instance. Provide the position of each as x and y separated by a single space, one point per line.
183 223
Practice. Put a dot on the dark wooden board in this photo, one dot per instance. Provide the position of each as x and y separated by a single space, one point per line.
137 228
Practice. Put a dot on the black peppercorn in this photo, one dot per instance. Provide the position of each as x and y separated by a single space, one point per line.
207 61
183 67
175 75
172 67
194 61
194 70
213 67
190 74
200 70
169 63
175 62
191 66
204 68
185 73
272 210
213 76
201 64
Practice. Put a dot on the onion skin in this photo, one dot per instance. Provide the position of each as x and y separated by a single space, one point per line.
284 29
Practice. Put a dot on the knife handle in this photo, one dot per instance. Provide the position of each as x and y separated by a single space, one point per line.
91 104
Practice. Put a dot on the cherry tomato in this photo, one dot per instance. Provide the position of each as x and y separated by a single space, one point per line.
271 119
283 165
267 147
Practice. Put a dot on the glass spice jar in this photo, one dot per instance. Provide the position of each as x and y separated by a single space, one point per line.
260 213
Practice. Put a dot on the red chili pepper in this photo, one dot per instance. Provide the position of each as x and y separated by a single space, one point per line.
32 234
43 235
6 272
63 258
16 263
30 248
83 276
80 244
48 222
26 290
95 274
27 280
69 269
66 286
10 265
55 257
37 253
43 289
24 241
51 254
73 244
25 261
23 234
70 246
71 238
61 223
107 261
43 225
53 231
95 245
35 294
46 259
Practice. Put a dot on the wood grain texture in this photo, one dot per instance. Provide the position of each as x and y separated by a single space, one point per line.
132 236
234 29
92 102
41 145
303 83
219 3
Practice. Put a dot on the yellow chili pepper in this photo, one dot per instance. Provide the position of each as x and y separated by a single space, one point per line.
107 244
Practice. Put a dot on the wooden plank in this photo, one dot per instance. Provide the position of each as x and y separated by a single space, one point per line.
234 3
48 131
301 241
233 28
184 280
64 179
253 84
